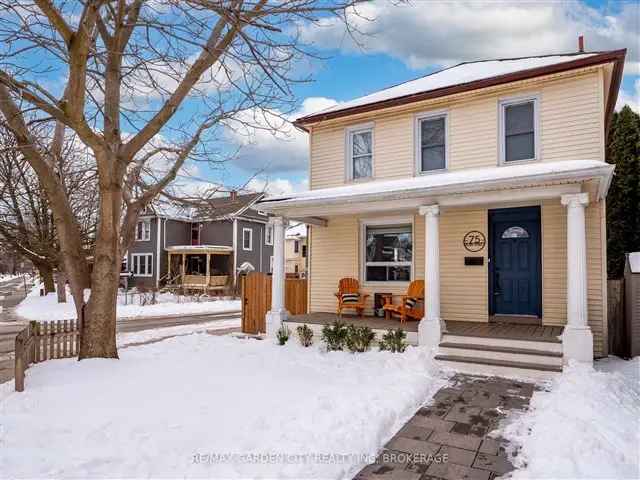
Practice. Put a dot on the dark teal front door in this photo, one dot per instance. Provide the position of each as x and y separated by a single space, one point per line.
515 264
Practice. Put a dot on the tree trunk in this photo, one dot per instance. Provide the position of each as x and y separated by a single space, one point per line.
46 274
98 333
61 286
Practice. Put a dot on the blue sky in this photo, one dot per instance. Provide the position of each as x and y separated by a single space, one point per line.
409 41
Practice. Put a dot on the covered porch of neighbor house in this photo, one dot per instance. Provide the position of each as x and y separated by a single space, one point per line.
506 247
205 268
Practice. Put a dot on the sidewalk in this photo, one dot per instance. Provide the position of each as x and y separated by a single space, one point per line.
449 440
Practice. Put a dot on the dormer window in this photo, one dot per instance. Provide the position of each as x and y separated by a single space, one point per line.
519 130
360 152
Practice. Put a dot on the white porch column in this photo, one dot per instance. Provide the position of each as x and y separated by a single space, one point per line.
577 340
278 313
429 329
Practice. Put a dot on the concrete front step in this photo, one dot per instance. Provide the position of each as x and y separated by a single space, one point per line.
522 355
469 363
543 345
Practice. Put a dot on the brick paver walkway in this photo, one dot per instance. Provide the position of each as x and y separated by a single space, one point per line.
448 439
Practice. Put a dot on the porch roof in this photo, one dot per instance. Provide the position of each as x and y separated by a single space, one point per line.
200 249
432 187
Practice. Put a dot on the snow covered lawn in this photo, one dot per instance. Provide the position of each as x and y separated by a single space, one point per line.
585 425
35 307
201 405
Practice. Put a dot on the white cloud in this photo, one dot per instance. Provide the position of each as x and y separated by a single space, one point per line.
630 98
424 34
277 186
269 141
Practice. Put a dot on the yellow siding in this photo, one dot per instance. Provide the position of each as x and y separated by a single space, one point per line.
570 122
464 289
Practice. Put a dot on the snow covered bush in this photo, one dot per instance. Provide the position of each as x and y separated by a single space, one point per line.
394 341
283 334
359 338
305 334
334 335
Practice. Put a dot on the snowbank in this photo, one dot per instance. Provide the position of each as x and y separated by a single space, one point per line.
35 307
125 338
586 425
198 405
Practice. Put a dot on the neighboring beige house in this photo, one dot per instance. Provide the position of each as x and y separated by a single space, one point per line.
487 180
296 251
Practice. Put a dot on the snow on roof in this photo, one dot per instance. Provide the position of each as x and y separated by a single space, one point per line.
456 75
443 183
297 231
634 262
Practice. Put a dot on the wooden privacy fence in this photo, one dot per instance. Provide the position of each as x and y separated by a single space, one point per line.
256 299
41 341
615 318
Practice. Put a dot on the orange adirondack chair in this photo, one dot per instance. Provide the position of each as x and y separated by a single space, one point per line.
349 296
411 305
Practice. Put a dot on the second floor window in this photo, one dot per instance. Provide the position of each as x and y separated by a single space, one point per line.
296 246
268 235
143 231
247 239
360 153
432 152
304 251
518 130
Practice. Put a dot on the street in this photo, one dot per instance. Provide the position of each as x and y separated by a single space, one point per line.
13 292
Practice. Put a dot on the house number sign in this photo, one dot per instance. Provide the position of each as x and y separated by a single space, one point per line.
474 241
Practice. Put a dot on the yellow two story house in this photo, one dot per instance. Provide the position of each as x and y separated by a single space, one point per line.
488 181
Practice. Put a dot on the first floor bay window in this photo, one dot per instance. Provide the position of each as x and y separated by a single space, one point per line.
388 253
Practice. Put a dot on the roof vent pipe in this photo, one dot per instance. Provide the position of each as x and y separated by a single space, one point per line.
581 44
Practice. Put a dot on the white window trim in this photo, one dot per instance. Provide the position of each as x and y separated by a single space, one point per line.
417 140
362 246
268 228
505 102
348 167
271 264
250 230
146 233
148 263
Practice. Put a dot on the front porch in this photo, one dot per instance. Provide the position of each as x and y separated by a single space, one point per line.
488 243
203 268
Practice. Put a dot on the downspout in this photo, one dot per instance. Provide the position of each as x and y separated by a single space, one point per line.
158 227
235 248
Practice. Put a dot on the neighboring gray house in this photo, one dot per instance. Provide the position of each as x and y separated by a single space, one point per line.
206 249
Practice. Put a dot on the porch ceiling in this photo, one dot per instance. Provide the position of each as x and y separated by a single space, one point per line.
533 181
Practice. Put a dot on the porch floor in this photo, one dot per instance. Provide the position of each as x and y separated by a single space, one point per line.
542 333
375 323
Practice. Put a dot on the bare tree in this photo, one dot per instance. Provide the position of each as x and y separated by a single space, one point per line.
26 220
144 84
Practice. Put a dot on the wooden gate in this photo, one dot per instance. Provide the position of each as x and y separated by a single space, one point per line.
256 299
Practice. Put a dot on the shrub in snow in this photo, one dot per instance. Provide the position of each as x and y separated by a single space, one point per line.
394 341
359 338
283 334
334 335
305 334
